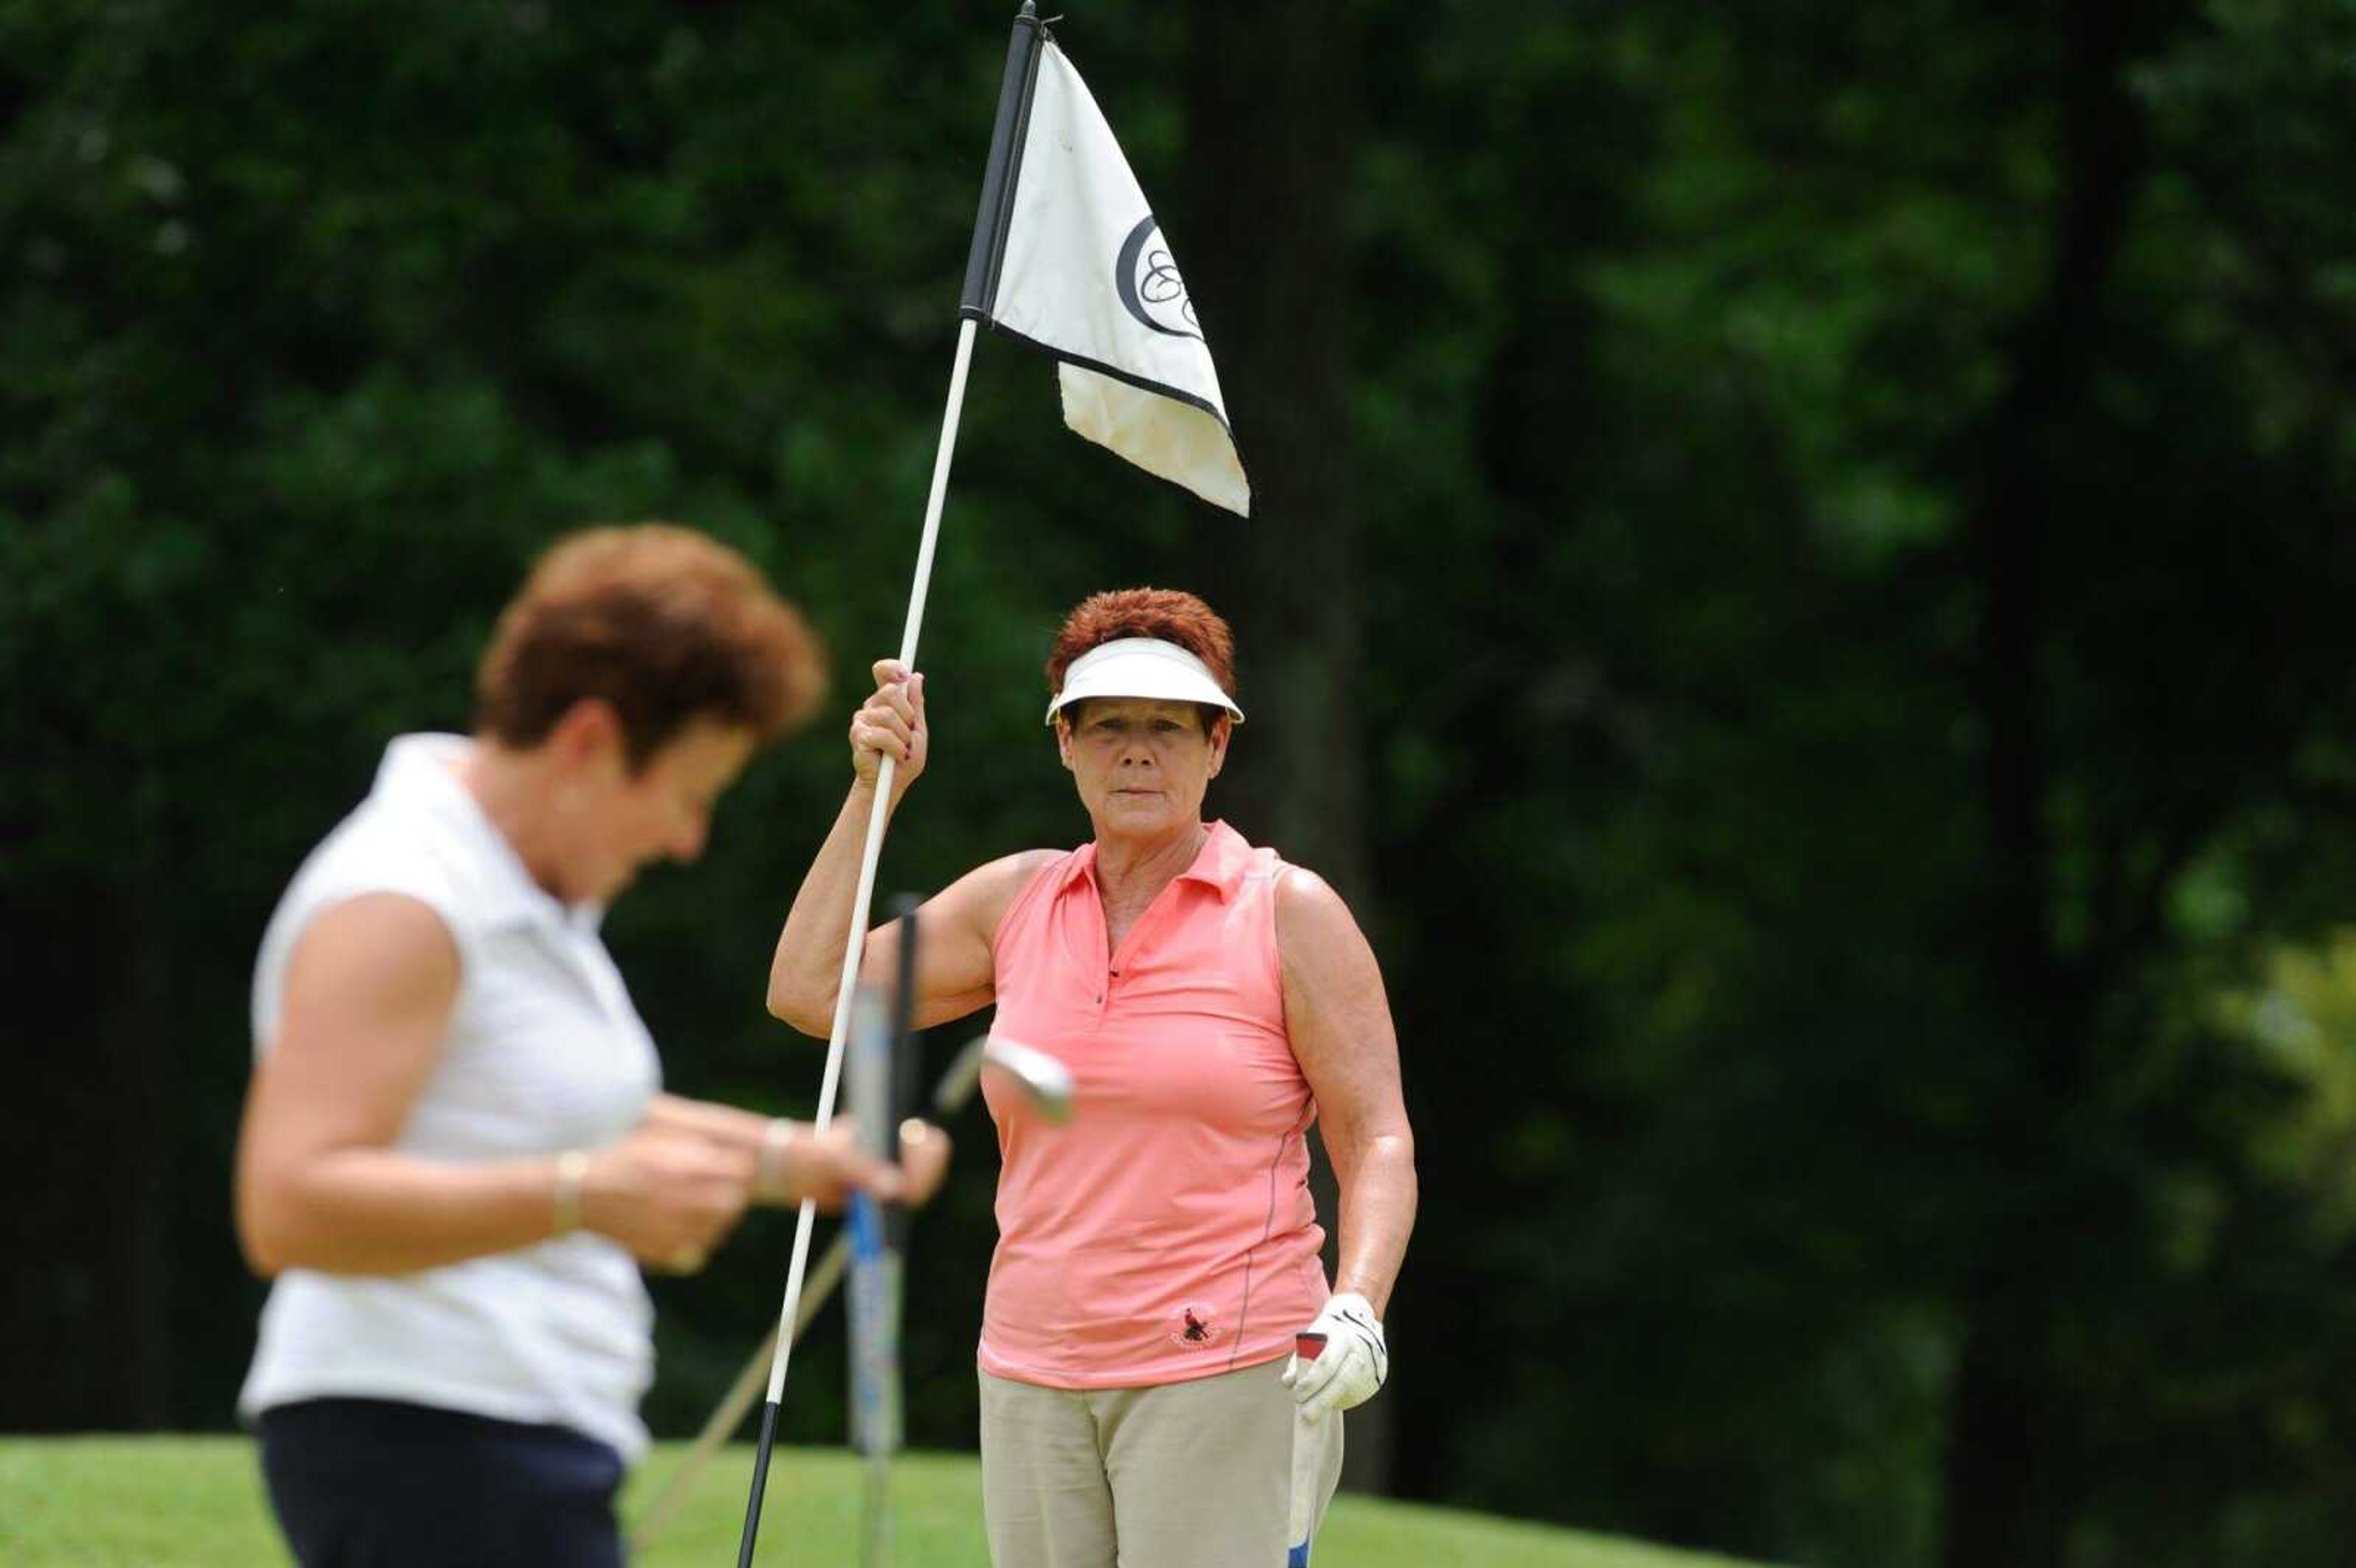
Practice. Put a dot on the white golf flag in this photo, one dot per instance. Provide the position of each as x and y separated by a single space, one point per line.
1084 273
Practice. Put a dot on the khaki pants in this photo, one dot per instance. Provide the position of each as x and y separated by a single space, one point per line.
1192 1475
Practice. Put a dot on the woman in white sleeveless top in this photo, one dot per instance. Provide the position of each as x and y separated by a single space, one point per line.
456 1150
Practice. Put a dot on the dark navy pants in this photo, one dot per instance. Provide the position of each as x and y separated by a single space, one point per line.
365 1483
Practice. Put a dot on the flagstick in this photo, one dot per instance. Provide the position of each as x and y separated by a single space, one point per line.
988 235
852 943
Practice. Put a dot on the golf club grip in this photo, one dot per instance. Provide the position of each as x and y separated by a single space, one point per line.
901 1082
1301 1510
904 909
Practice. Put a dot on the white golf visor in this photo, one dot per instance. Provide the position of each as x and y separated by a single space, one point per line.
1142 667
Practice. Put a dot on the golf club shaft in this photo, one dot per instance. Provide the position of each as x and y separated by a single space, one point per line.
955 1087
875 1373
874 1261
886 1089
875 1511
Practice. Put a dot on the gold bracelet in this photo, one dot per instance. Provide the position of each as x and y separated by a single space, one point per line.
571 1175
768 1171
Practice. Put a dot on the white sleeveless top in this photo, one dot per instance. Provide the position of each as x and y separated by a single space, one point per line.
543 1053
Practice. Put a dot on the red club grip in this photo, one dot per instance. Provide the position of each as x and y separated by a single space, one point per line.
1308 1346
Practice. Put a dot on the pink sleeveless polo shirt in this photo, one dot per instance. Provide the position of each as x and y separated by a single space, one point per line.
1165 1232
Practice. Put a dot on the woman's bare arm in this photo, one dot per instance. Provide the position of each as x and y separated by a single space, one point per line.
1340 1022
794 1160
368 992
955 970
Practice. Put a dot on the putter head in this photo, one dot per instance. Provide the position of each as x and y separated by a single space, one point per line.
1042 1080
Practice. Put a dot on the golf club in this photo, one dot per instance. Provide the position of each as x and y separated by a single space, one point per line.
883 1089
1045 1085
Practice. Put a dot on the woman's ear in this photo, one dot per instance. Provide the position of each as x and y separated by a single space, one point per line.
586 735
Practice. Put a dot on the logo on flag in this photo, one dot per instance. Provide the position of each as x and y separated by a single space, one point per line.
1150 284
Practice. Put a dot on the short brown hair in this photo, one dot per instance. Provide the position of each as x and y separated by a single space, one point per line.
1168 614
667 624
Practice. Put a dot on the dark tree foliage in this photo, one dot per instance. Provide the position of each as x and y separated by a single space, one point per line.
1802 587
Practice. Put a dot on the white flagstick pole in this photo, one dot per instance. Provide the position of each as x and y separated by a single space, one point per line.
856 939
981 284
864 899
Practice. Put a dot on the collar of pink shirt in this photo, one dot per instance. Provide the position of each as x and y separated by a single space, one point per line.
1220 864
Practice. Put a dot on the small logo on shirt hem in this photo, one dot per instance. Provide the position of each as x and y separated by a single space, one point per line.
1195 1326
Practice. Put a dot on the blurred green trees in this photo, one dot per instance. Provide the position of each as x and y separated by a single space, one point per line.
1804 585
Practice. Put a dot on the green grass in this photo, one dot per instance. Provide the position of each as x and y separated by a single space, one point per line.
193 1502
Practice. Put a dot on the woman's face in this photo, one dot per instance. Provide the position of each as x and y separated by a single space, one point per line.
1141 763
618 822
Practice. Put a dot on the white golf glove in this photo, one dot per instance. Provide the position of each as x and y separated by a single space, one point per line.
1351 1367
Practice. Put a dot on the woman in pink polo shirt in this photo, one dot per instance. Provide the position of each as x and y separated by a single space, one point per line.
1140 1403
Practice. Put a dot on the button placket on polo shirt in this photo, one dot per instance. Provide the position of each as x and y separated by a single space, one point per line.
1087 953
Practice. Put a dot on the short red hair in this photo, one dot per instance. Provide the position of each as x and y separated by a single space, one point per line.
666 623
1167 614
